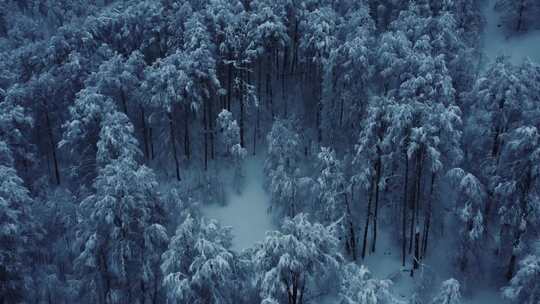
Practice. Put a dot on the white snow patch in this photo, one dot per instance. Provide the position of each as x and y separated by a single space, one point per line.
518 46
245 212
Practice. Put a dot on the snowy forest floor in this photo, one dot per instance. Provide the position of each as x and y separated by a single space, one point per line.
245 211
496 42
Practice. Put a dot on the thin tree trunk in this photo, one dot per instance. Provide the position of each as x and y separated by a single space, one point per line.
145 133
173 145
377 180
187 140
242 110
368 217
229 85
53 146
427 220
352 235
520 15
416 256
205 130
151 139
211 124
124 102
405 207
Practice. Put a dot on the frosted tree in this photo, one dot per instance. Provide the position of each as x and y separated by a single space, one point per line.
318 40
281 166
368 159
346 75
449 293
523 287
230 137
81 131
118 219
283 146
198 267
359 287
517 192
15 123
295 262
333 203
470 197
18 233
201 68
165 83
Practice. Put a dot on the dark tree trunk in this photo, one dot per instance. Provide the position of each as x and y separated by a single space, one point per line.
229 85
187 140
151 139
427 219
404 215
205 130
124 102
269 94
520 15
145 133
173 145
416 257
242 111
378 166
368 217
211 124
352 235
53 146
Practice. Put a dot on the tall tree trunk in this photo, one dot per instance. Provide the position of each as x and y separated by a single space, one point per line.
368 217
295 47
229 85
242 110
211 124
256 131
417 194
269 94
151 139
187 140
53 146
145 133
404 215
173 145
378 166
520 15
124 102
352 235
416 257
427 219
205 130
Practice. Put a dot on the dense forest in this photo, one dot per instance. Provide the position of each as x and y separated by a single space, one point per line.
378 121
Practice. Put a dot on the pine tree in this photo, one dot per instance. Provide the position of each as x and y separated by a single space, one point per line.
295 262
198 266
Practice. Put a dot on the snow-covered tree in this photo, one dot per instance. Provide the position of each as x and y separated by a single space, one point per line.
18 232
198 266
359 287
296 261
118 219
281 167
470 197
230 137
524 286
449 293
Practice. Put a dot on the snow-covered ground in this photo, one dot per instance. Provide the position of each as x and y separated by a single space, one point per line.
245 212
496 42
